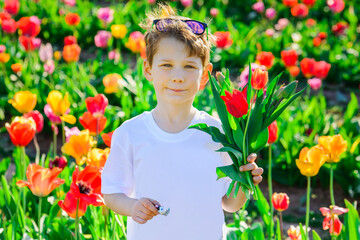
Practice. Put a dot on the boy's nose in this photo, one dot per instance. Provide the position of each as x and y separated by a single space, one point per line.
178 80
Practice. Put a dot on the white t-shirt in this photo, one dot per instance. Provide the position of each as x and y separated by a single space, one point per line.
176 169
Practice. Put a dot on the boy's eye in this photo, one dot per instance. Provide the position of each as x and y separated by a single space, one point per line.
166 65
189 66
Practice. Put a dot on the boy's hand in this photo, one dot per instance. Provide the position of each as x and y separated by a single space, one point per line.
144 210
256 171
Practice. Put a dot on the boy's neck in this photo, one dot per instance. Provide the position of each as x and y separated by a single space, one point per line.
171 119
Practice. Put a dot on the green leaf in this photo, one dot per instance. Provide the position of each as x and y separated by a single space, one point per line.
352 108
232 173
281 108
352 222
260 141
255 120
315 235
4 165
302 232
214 132
249 89
230 188
270 91
238 135
264 209
236 152
278 230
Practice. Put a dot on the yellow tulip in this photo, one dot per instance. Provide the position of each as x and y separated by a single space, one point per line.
79 146
112 82
57 55
24 101
310 160
118 31
98 157
60 105
333 147
4 57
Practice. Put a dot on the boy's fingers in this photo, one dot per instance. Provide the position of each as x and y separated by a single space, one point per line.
139 220
154 202
150 204
252 157
257 180
144 216
257 171
248 167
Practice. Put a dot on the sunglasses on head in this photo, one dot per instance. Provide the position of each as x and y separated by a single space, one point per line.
196 27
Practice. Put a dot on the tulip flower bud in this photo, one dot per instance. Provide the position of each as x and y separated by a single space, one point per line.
280 201
220 77
60 162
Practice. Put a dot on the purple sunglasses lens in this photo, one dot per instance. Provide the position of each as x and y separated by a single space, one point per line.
196 27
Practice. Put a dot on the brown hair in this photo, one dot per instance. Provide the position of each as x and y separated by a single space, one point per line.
199 45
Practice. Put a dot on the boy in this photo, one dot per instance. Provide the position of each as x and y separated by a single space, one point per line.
156 160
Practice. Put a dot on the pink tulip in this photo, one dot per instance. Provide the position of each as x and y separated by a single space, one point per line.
2 48
70 3
46 52
269 32
281 24
151 2
244 76
102 38
36 42
49 67
214 12
270 13
336 5
186 3
114 55
105 14
315 83
70 132
51 116
258 7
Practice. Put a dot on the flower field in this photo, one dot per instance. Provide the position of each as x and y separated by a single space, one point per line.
71 72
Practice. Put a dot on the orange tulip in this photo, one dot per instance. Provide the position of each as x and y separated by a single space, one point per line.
23 101
4 57
72 19
41 181
69 205
294 233
300 10
79 146
88 121
112 82
333 147
280 201
136 42
21 130
259 79
16 67
98 157
294 71
266 59
71 53
310 160
223 39
107 138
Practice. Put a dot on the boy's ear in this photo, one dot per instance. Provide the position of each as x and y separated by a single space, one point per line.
147 70
205 75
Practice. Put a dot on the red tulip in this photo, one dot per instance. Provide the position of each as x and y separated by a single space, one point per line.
331 220
280 201
294 71
339 28
266 59
38 118
310 22
273 135
309 3
72 19
290 3
322 35
21 130
107 138
12 6
289 57
300 10
69 40
88 121
41 181
86 185
236 103
321 69
30 43
96 105
4 16
307 67
223 39
317 41
29 26
8 26
70 203
259 79
60 162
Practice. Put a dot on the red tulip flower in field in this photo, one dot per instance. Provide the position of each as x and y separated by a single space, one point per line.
86 185
95 125
307 66
60 162
223 40
16 67
38 118
107 138
273 135
29 26
336 5
280 201
322 69
30 43
331 220
12 6
259 79
339 28
41 181
266 59
310 22
290 3
294 71
289 57
300 10
8 26
322 35
69 40
316 41
236 103
72 19
96 105
70 203
309 3
21 131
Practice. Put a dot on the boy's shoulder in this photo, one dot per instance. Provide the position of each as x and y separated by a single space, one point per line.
204 117
131 124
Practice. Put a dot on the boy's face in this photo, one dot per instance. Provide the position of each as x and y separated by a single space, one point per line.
175 74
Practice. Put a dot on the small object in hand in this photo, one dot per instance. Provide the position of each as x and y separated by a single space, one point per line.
162 210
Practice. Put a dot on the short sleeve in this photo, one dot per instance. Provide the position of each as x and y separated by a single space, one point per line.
226 160
117 174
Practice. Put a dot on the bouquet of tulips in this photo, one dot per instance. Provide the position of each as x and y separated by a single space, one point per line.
245 116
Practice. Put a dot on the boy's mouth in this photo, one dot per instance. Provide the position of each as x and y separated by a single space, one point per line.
176 90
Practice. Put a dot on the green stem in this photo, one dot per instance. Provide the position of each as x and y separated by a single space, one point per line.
77 220
22 154
270 195
63 132
39 217
113 228
246 153
37 157
281 226
55 144
106 225
307 207
331 184
97 130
